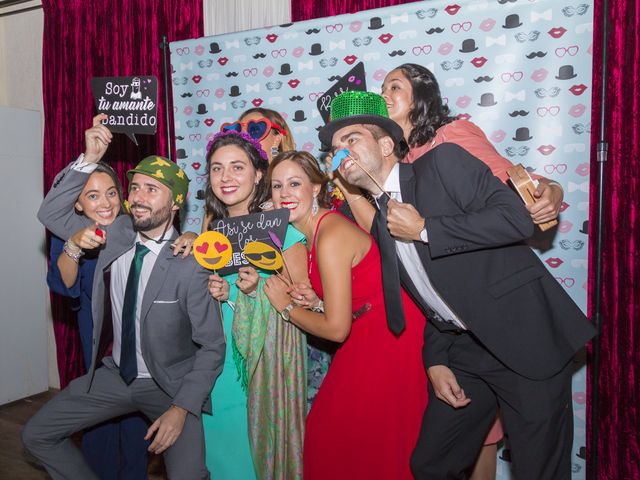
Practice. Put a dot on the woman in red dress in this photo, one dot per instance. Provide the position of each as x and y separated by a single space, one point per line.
365 420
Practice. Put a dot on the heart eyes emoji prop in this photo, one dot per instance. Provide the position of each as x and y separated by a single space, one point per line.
212 250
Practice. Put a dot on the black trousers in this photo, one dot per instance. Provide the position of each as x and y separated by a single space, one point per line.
537 417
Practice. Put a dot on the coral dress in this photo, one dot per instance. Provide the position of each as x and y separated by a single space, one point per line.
365 421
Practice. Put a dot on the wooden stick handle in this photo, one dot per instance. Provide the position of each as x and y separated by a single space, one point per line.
371 177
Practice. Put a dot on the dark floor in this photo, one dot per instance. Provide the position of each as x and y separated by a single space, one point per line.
15 462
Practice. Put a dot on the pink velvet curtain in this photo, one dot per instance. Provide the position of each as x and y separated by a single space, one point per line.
619 379
307 9
85 39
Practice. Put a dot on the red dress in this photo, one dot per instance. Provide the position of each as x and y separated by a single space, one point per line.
365 420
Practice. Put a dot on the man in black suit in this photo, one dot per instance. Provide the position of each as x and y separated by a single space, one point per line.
502 332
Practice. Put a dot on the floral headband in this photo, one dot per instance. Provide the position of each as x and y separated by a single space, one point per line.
245 136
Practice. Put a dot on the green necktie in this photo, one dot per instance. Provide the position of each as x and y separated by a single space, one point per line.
128 359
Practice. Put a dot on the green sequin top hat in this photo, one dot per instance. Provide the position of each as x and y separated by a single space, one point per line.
354 107
167 173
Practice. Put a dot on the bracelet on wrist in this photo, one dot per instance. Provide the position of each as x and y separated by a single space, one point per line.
73 246
72 250
349 201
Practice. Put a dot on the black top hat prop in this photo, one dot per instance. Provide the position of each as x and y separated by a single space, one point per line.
234 91
214 48
299 116
487 100
375 23
202 109
566 73
512 21
316 49
522 135
180 153
285 69
468 46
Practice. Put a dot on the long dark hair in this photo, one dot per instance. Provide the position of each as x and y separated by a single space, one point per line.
214 208
102 167
428 113
310 166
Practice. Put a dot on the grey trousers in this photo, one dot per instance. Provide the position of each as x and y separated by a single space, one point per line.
47 434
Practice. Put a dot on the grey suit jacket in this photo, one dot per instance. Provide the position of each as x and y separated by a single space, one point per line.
181 335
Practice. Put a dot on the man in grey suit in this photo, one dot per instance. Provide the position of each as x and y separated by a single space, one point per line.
168 343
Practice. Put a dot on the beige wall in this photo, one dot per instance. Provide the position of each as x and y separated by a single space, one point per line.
21 60
21 87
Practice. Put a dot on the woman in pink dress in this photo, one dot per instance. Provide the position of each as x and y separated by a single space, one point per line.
365 420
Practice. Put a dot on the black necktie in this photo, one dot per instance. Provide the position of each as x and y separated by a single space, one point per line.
128 358
390 274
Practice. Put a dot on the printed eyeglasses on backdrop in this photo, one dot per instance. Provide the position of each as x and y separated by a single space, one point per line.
257 129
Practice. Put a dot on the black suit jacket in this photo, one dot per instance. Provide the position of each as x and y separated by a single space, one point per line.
478 263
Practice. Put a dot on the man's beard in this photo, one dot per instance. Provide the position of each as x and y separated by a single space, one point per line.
154 220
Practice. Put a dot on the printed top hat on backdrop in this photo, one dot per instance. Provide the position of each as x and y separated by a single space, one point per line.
566 73
512 21
468 46
180 153
522 135
299 116
582 453
585 227
487 100
285 69
505 455
214 48
202 109
234 91
375 23
316 49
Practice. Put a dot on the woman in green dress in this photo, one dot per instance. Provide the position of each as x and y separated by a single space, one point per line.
259 401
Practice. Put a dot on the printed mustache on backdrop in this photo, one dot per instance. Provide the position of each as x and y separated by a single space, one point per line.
130 103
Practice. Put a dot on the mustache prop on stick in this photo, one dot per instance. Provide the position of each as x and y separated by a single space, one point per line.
339 157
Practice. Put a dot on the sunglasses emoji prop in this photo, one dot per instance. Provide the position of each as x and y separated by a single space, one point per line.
263 255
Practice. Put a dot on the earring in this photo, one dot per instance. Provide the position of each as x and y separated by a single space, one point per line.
314 207
274 151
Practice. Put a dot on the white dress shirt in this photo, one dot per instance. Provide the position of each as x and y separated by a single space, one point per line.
119 273
410 259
